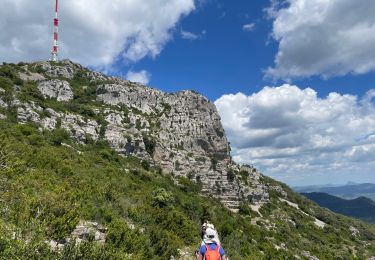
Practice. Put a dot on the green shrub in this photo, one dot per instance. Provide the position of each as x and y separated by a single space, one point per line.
58 136
150 144
230 175
162 198
177 165
214 163
188 185
30 91
146 165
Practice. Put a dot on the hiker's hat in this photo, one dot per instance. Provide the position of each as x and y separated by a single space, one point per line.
210 236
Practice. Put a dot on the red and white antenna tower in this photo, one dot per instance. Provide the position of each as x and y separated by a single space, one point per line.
54 51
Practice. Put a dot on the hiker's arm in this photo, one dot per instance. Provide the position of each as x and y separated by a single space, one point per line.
223 257
198 255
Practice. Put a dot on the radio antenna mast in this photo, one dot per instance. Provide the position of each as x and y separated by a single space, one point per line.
54 51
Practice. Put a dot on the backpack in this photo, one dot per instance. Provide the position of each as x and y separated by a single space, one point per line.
212 254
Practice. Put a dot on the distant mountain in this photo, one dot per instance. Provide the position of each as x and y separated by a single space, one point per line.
349 191
362 207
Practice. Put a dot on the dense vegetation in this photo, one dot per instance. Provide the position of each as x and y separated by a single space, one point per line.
48 183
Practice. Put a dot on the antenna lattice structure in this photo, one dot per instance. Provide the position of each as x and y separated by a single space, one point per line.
55 49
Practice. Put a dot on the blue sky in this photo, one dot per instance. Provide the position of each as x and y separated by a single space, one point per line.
293 80
227 59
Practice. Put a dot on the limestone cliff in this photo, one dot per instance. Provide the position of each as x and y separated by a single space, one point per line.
179 132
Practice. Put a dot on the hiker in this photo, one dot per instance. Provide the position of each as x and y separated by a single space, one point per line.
211 249
206 225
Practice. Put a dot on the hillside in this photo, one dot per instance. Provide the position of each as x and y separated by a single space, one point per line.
350 191
95 167
362 207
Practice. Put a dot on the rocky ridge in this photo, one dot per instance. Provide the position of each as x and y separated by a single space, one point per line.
179 132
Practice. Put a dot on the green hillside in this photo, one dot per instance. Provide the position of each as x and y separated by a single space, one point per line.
362 207
49 183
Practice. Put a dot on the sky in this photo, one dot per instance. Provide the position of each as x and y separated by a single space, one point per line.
293 80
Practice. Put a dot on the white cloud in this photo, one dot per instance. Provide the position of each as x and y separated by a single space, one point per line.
142 76
189 35
288 130
248 27
92 32
323 37
192 36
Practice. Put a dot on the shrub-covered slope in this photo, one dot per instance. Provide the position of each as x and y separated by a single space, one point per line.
47 188
51 182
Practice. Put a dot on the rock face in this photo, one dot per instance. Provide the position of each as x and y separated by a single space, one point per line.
32 76
84 231
3 104
185 121
189 138
59 89
179 132
28 112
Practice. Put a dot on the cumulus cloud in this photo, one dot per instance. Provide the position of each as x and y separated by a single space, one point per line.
326 38
288 130
248 27
142 76
92 32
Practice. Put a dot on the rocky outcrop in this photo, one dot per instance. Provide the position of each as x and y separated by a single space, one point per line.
59 89
179 132
80 128
185 121
63 69
354 231
308 255
32 76
84 231
185 127
3 104
67 69
27 112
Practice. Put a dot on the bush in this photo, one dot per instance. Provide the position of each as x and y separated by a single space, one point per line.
165 243
150 144
58 136
177 165
244 209
121 237
146 165
29 90
230 175
162 198
188 185
214 163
